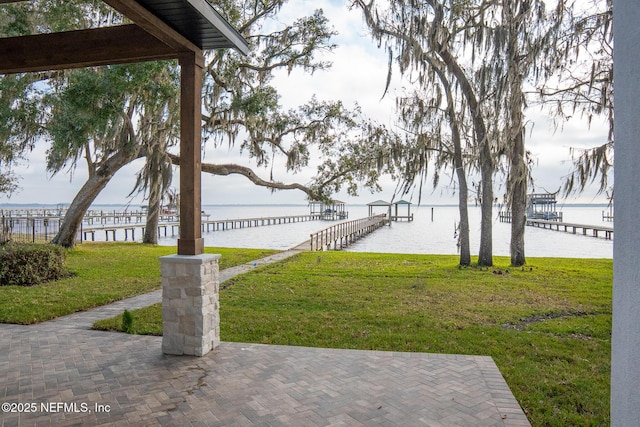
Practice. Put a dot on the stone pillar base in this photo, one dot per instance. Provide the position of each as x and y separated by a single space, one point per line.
190 305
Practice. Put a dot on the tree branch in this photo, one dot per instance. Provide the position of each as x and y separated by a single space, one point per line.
229 169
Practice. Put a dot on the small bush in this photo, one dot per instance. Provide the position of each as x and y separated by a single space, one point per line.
30 264
127 322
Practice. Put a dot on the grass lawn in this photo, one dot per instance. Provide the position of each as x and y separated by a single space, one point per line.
547 325
102 273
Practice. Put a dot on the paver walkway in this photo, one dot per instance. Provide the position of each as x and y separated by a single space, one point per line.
85 319
68 375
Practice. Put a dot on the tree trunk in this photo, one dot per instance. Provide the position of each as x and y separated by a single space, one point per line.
92 187
153 212
485 159
518 211
458 165
517 184
463 239
485 254
518 174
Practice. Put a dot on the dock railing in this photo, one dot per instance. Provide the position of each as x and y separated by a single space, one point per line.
28 229
344 233
24 226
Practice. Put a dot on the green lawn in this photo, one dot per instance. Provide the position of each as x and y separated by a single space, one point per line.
547 325
102 273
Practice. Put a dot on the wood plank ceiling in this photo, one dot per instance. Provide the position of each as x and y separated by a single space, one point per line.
161 29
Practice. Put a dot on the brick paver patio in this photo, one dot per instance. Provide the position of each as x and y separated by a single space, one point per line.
69 375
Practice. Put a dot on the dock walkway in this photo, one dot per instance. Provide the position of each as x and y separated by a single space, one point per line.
172 228
567 227
344 233
42 225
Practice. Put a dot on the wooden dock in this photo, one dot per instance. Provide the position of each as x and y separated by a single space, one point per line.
593 230
344 233
172 228
230 224
27 227
505 216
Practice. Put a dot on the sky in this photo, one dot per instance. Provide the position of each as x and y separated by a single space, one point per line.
358 74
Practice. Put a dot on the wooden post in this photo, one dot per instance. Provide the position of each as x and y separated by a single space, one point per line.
190 241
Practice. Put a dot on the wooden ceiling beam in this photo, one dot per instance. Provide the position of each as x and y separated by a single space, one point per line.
82 48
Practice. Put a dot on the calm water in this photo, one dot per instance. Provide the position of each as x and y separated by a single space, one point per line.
423 235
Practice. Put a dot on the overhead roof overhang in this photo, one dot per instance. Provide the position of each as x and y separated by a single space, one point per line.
199 22
161 29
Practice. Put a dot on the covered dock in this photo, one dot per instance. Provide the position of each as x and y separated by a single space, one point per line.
329 211
379 204
397 216
543 206
540 206
382 206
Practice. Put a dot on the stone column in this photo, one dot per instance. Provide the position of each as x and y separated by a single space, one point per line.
625 354
190 305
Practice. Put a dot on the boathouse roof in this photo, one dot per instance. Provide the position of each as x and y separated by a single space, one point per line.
542 198
379 203
320 202
402 202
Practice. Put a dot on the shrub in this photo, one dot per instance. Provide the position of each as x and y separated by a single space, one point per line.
127 322
29 264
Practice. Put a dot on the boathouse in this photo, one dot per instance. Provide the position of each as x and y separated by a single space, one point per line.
396 215
540 206
328 211
379 204
543 206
